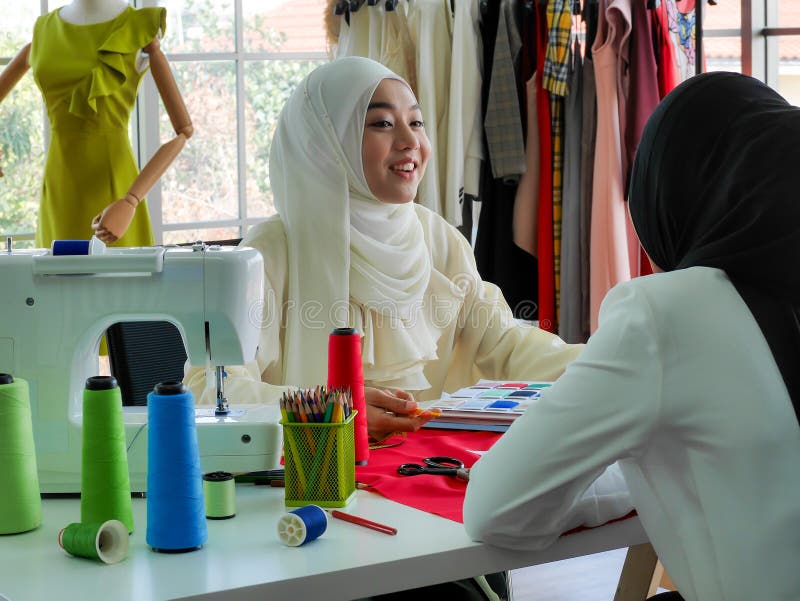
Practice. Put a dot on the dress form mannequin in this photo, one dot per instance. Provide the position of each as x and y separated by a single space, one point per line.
113 221
86 12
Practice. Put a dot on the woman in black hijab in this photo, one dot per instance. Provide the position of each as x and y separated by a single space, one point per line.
730 199
692 380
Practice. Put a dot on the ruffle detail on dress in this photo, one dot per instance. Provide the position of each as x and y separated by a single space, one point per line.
131 33
394 352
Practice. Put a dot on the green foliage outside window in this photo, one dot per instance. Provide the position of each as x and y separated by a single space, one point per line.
21 150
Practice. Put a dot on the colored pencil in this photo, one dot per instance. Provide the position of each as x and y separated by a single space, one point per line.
354 519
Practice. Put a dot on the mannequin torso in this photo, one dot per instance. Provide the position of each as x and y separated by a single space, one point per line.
87 12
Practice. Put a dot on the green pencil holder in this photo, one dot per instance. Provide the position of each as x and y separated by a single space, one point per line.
319 462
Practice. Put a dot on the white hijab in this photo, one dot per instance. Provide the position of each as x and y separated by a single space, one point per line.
344 243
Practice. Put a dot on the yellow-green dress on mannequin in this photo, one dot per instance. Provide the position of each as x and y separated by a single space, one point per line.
89 79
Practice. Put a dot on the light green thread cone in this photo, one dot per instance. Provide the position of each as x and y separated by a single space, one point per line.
20 503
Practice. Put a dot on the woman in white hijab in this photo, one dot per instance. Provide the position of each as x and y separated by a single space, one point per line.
350 248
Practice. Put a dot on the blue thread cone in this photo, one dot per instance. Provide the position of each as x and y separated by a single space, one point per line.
176 518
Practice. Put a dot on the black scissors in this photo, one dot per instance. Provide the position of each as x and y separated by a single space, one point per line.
440 465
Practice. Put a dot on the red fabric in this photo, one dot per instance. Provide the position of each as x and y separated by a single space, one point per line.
667 68
345 372
440 495
544 242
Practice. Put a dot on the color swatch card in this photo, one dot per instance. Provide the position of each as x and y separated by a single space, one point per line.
487 405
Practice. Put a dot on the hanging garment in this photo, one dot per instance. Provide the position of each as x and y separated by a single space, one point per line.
545 242
588 143
569 324
431 26
643 94
353 35
465 131
556 72
499 260
643 97
613 243
504 140
622 13
398 51
667 69
88 77
682 30
377 18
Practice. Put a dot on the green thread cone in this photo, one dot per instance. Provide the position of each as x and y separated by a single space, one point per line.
105 482
20 503
107 542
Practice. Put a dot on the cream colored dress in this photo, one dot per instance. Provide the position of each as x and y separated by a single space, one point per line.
476 334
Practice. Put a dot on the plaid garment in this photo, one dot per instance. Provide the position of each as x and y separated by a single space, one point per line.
556 74
557 56
503 121
557 135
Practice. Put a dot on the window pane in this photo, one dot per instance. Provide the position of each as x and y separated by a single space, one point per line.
722 54
724 15
284 25
202 182
199 26
16 28
789 68
788 13
21 142
207 235
268 85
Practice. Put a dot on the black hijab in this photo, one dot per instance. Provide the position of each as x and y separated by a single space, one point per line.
716 182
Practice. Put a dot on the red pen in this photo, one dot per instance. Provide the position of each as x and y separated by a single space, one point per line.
354 519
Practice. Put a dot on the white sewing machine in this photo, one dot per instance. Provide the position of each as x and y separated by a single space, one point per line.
54 310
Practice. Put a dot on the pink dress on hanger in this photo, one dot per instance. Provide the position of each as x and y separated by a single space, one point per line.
613 250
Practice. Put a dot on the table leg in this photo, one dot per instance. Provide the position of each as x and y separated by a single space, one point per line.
638 571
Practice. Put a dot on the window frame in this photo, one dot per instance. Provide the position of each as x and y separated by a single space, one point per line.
760 53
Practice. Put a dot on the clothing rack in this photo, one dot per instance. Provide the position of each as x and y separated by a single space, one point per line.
344 7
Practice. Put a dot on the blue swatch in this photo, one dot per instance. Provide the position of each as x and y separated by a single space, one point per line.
503 405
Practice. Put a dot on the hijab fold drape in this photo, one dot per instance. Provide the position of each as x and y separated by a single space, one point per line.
716 183
345 247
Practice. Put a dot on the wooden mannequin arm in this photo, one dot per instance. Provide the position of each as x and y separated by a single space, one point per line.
14 71
10 76
168 90
111 224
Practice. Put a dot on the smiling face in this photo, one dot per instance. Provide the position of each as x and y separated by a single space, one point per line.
395 147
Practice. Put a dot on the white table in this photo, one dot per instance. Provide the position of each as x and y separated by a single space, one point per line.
243 558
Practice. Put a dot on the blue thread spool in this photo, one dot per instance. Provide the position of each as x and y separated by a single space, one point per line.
70 247
302 525
176 518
